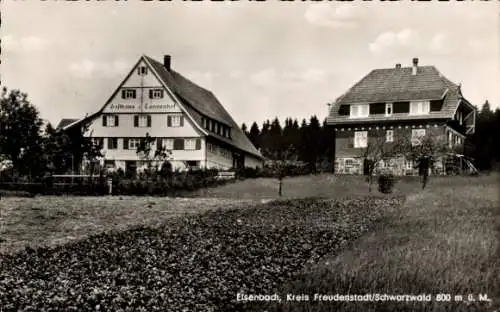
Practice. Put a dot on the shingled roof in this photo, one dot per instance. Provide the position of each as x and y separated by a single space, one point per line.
199 103
400 85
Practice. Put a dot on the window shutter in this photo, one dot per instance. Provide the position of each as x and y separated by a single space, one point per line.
123 94
125 143
178 144
136 121
169 121
158 143
198 144
149 120
104 121
182 121
110 143
116 121
150 93
161 94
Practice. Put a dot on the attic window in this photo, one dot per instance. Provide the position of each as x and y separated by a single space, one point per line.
142 70
156 94
436 105
401 107
359 110
377 108
388 109
128 94
344 110
419 107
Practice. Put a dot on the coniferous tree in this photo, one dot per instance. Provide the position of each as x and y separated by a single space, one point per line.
244 129
254 135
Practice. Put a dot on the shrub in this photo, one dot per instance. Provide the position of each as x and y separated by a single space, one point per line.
386 183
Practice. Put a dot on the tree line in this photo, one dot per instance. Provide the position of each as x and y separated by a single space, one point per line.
311 141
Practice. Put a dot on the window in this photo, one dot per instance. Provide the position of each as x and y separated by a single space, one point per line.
142 70
133 144
419 107
112 143
389 136
156 94
128 94
348 165
110 121
377 108
344 110
401 107
360 110
212 148
436 105
190 144
450 139
360 139
142 121
175 121
388 109
409 164
97 142
212 125
416 136
168 144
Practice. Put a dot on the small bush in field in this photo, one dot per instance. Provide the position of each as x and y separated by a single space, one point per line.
386 183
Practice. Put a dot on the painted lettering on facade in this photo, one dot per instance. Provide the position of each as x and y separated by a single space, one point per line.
120 106
151 107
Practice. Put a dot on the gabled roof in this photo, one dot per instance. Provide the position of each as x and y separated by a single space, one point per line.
399 85
65 121
198 103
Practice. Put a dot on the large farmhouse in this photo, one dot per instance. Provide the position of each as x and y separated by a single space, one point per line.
183 117
408 102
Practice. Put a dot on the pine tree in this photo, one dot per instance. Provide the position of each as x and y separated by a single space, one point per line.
254 135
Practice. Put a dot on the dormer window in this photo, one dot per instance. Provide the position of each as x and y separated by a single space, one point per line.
128 94
359 110
142 70
388 109
419 108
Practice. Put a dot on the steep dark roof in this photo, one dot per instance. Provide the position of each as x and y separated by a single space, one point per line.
64 122
398 85
200 103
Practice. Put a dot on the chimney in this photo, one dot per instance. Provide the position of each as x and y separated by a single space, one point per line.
166 62
398 65
415 65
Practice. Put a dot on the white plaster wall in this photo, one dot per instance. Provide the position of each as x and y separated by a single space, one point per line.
253 162
158 128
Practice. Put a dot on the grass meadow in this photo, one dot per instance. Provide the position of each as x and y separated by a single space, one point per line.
442 240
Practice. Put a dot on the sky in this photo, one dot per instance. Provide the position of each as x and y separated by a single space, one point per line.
261 59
